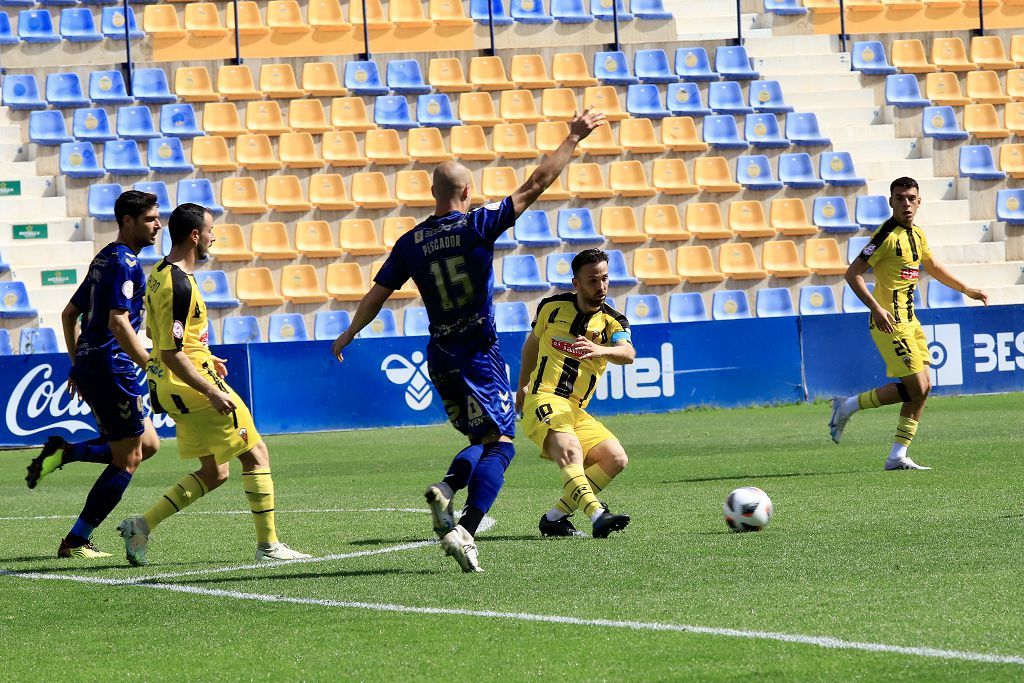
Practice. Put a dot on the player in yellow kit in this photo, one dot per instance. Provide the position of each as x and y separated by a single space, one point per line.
186 381
897 252
575 336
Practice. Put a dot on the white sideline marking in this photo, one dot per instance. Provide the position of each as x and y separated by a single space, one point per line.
818 641
231 512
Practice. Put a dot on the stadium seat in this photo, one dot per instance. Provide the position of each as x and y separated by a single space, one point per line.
704 221
555 192
374 18
78 160
285 194
901 90
533 230
649 9
5 338
35 26
608 10
14 301
448 13
571 12
789 217
159 21
287 327
855 246
425 145
652 267
216 291
284 16
852 303
692 64
983 87
358 236
670 176
150 86
300 285
412 188
816 300
477 108
1010 206
943 88
256 153
101 200
766 98
587 182
909 57
270 242
686 307
404 77
320 79
941 123
679 133
265 117
780 258
64 90
802 129
941 296
576 226
644 309
298 150
392 111
695 266
199 191
512 316
370 191
107 87
518 106
7 37
712 175
446 75
730 304
363 78
551 134
165 155
307 116
278 81
349 113
774 302
836 169
37 340
629 179
1011 160
605 99
478 12
469 143
1014 116
726 97
618 271
529 12
733 62
78 25
230 244
345 281
112 24
754 173
327 325
313 240
651 66
202 19
872 210
831 215
529 71
47 128
521 273
504 241
988 52
737 261
241 329
488 73
240 195
326 16
193 84
384 147
948 54
600 142
869 58
559 270
619 226
611 68
384 325
21 92
976 163
136 123
255 287
569 69
982 121
637 136
796 171
747 219
408 14
762 130
822 256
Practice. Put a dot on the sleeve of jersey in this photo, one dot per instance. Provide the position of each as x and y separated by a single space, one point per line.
620 330
174 317
119 285
80 299
493 219
926 251
874 251
393 274
539 323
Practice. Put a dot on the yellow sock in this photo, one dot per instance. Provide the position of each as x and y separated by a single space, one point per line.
178 497
869 399
598 480
576 491
906 428
259 489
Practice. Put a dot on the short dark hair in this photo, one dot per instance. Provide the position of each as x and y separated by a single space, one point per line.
185 219
904 182
588 256
133 203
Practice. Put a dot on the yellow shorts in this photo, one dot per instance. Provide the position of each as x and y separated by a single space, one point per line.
207 432
905 351
546 412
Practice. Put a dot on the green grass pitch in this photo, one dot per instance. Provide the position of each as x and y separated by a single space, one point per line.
910 559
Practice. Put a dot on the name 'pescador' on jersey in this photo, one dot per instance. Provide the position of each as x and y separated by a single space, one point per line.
445 240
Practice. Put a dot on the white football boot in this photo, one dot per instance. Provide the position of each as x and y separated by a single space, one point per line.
135 533
459 544
903 463
837 423
439 498
274 552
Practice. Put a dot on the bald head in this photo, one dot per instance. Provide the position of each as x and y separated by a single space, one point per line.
451 180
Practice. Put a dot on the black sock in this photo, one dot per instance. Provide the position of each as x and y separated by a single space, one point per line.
471 518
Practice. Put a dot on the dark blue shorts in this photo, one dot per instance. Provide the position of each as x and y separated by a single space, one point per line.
114 394
475 390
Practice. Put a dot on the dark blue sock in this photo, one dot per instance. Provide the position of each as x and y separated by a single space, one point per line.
486 482
461 469
103 498
94 450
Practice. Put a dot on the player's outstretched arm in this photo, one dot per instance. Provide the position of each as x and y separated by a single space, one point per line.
620 353
882 318
368 309
552 165
178 363
121 327
939 272
531 348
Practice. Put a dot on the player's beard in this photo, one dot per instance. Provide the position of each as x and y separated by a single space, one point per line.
202 253
594 301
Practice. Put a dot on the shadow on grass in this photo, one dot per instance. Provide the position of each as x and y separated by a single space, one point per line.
307 575
387 541
778 475
507 537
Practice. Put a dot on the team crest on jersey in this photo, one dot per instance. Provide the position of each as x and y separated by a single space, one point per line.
178 330
869 249
243 434
908 361
910 274
128 289
139 403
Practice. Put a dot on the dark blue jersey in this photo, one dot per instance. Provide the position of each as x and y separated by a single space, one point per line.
451 260
115 282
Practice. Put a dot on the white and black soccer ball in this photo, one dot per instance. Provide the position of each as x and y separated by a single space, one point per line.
747 509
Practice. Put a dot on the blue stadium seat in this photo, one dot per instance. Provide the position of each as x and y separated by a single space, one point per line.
21 92
869 58
415 322
363 78
64 90
287 327
112 24
163 197
150 86
512 316
683 99
327 325
762 130
57 3
497 287
644 309
499 16
165 155
530 12
242 329
817 299
559 270
78 25
784 7
941 296
154 253
730 304
1010 206
14 301
506 241
726 97
136 123
610 302
649 9
392 111
836 169
901 90
733 62
754 173
47 128
940 123
107 87
436 111
611 69
831 215
797 171
5 336
38 340
686 307
211 334
532 229
78 160
17 3
36 26
855 246
101 200
645 101
4 266
872 210
721 132
692 64
92 125
570 12
606 11
199 191
774 302
803 129
122 157
384 325
766 97
918 299
522 274
576 226
651 66
851 303
977 163
618 271
179 120
405 77
7 36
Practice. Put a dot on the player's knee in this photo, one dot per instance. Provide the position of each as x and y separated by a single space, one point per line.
619 459
214 476
257 456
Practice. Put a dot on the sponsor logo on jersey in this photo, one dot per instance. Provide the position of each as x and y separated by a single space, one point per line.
566 346
243 434
869 249
910 274
178 330
128 289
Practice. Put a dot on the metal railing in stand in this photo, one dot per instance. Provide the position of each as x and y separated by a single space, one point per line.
615 25
739 22
238 40
366 34
981 18
842 26
128 68
490 25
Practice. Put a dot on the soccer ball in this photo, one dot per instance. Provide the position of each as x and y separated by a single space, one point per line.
747 509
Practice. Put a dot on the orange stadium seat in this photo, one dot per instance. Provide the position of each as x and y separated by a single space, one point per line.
823 257
988 53
375 17
908 56
604 99
265 117
285 16
384 147
679 133
1014 114
629 179
984 88
320 79
488 73
738 262
518 106
619 226
307 116
558 104
948 54
341 150
695 266
161 21
1011 160
412 188
210 154
551 134
498 182
637 136
449 13
746 219
789 217
313 239
202 19
298 150
1017 49
395 227
408 14
982 121
250 21
445 74
192 83
601 141
285 194
221 118
781 259
822 6
255 287
408 290
555 192
270 242
349 113
864 5
587 182
652 267
426 146
235 82
255 153
229 245
662 223
278 81
240 195
477 108
327 15
529 71
671 177
511 141
370 191
570 70
345 281
1015 84
327 193
300 285
704 221
358 236
943 88
469 143
712 175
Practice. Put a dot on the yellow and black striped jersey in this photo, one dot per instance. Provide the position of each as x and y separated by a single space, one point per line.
895 254
559 371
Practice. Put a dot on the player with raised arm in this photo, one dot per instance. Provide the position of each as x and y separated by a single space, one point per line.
186 381
575 335
897 252
105 359
450 258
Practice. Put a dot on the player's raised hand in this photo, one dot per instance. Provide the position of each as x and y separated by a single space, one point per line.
583 124
221 402
977 295
586 349
883 320
220 366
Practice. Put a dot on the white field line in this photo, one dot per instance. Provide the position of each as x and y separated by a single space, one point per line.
818 641
233 512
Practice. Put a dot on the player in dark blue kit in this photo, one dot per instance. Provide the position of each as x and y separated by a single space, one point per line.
105 359
450 257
